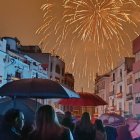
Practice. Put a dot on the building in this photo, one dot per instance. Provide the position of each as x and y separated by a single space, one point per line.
17 64
112 91
33 57
69 80
122 88
136 72
52 63
116 88
129 94
102 90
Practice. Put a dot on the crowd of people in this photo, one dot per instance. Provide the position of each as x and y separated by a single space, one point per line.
47 127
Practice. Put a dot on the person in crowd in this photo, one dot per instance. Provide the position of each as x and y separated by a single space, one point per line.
26 130
1 119
124 133
67 121
47 126
12 124
100 130
84 129
110 131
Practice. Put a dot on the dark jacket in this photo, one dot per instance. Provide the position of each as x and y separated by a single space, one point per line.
68 123
66 135
7 133
84 134
111 133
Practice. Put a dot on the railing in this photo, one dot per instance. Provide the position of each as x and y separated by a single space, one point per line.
119 95
129 96
129 81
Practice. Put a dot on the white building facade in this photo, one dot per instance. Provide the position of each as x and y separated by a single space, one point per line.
102 90
15 66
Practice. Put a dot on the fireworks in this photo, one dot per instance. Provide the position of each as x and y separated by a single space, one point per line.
93 29
99 20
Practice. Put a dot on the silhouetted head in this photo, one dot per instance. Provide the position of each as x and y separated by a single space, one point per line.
85 117
45 115
14 118
99 125
85 123
68 115
47 125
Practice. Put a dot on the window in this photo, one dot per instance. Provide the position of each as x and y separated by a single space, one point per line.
63 70
57 69
120 73
130 89
51 67
113 102
113 76
113 89
120 106
17 74
120 89
36 75
130 107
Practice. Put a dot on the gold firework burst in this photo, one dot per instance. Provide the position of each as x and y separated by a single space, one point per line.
99 20
89 34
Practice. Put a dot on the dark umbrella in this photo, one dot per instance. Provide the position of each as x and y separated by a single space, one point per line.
86 99
36 88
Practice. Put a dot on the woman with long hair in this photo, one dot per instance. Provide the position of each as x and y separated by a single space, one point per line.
100 130
47 126
67 121
84 129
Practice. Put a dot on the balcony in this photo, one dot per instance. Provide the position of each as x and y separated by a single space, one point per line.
119 95
129 96
136 86
111 93
26 62
136 66
10 77
129 81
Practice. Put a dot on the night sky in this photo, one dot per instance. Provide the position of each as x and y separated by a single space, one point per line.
83 58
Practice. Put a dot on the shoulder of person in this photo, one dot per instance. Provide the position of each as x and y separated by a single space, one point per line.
67 135
32 135
65 129
100 134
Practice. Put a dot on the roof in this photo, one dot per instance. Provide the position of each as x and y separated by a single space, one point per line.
40 57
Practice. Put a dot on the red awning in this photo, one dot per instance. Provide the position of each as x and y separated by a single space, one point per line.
86 99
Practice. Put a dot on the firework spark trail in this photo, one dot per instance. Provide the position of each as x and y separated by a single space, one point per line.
100 23
107 19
